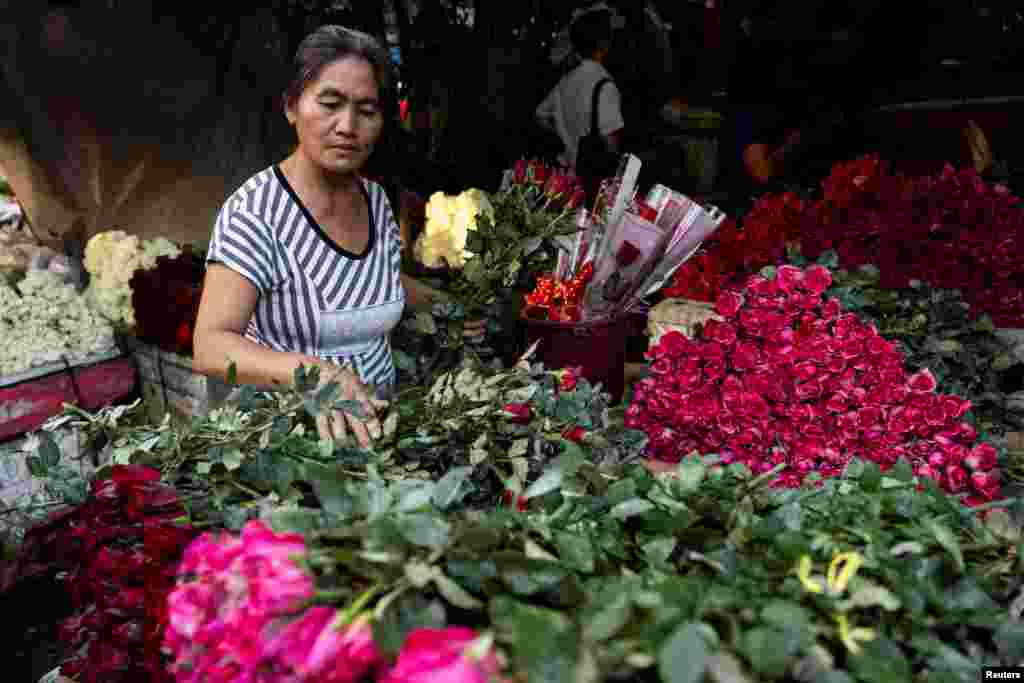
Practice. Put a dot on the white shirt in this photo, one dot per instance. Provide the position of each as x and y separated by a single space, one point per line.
568 105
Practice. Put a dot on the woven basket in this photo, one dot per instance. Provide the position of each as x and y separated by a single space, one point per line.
679 315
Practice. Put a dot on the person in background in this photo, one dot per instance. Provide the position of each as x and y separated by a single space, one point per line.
304 266
567 108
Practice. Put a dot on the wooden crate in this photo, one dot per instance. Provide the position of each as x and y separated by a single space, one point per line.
169 384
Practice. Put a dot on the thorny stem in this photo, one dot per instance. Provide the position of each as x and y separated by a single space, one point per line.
760 479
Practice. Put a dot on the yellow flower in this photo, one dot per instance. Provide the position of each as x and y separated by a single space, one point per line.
803 572
842 569
852 637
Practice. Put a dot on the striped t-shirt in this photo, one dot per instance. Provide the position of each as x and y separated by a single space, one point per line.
315 297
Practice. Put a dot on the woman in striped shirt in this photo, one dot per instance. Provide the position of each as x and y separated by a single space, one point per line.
304 262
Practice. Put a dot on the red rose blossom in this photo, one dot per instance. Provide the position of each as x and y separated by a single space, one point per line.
983 457
922 382
518 412
728 304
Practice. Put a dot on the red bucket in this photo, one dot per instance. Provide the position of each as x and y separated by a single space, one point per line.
598 346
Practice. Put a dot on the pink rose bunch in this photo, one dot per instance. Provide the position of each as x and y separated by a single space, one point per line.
236 615
445 655
787 377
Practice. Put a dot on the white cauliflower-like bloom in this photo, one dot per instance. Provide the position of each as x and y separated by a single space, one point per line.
449 220
43 319
112 258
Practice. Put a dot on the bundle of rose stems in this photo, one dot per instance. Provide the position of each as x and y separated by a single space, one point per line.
626 248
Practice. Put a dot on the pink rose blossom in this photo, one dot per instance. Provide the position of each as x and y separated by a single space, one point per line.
922 382
318 649
448 655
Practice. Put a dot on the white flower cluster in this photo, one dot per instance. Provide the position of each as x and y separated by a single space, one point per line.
449 220
43 319
112 258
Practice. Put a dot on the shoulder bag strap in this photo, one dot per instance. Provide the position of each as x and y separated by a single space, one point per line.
593 105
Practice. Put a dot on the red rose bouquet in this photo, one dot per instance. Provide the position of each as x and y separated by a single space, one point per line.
789 378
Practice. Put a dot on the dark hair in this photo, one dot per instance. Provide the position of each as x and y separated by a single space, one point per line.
591 31
330 43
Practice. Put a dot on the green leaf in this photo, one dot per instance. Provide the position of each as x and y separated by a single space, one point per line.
690 474
622 490
609 620
474 242
947 540
901 471
631 508
232 459
450 490
871 595
950 346
232 377
331 490
683 657
659 550
967 595
829 259
327 393
834 677
296 520
769 651
415 496
455 594
543 640
881 661
424 530
550 480
1010 637
786 615
49 452
871 477
403 361
575 550
306 379
235 517
35 466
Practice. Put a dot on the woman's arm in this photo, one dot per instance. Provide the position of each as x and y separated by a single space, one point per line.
418 295
226 306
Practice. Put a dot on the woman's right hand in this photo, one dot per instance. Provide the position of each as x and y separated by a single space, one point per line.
335 424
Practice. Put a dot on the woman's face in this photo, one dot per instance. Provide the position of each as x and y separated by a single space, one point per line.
339 117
